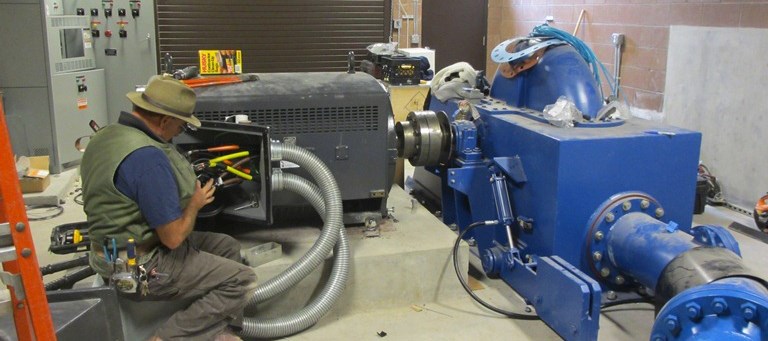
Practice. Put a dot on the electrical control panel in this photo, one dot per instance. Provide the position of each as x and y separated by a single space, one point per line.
123 35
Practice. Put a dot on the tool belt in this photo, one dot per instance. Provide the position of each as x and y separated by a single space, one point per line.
130 280
141 250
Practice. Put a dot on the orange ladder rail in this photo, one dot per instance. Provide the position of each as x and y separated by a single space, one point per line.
21 271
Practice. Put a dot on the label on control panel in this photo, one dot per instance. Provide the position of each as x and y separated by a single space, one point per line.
82 103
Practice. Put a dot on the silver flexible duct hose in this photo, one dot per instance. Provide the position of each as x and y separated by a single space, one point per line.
309 315
329 235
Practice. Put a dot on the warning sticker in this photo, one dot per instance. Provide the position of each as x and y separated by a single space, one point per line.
82 103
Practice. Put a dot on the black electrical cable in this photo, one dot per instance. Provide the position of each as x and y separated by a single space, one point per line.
59 211
78 199
464 284
65 265
67 281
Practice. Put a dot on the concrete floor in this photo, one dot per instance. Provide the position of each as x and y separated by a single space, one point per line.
448 316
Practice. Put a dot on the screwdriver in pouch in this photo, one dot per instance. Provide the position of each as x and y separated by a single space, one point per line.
131 251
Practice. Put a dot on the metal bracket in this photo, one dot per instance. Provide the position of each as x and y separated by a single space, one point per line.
15 282
7 254
512 167
342 152
371 228
565 298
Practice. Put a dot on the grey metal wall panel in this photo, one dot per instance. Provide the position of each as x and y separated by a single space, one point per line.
29 120
20 24
275 36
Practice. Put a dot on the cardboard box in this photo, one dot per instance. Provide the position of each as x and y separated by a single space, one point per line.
220 62
38 177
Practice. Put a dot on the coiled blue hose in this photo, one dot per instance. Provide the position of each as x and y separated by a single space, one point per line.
547 31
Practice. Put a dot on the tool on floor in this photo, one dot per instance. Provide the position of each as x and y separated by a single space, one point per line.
69 238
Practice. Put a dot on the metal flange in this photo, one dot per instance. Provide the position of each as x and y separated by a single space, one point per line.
599 226
425 138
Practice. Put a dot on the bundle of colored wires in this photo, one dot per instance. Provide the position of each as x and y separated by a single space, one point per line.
547 31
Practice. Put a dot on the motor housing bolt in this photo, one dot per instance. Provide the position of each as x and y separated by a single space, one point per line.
609 217
626 205
659 212
619 280
597 256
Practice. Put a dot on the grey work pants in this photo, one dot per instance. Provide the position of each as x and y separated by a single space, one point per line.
206 266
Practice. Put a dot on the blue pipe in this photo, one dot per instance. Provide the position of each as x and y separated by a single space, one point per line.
733 307
727 309
642 246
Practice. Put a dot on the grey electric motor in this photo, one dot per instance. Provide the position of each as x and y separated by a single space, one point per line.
345 119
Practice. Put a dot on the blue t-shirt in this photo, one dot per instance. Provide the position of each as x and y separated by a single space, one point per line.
146 177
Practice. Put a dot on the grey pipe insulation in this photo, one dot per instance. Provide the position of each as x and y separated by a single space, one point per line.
326 199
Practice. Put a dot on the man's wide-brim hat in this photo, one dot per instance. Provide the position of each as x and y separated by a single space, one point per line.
167 96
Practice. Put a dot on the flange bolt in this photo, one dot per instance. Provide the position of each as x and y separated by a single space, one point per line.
672 324
659 212
605 272
694 311
599 235
719 306
644 204
619 280
609 217
748 310
597 256
626 205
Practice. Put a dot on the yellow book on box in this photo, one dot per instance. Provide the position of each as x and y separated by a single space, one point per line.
220 62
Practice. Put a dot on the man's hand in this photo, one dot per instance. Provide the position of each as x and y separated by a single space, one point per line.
203 194
174 233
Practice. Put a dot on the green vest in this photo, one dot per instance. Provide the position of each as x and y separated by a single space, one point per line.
110 213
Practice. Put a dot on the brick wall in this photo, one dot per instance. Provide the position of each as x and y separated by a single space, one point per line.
409 25
645 24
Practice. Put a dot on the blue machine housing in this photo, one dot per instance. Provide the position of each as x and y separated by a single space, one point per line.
560 72
571 172
577 208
